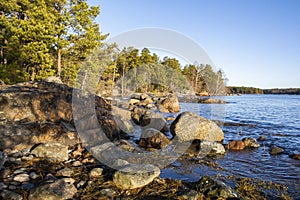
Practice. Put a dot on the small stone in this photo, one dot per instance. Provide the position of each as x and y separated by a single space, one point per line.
19 171
27 186
65 172
33 175
27 158
96 172
276 150
12 187
6 194
76 164
80 184
21 178
261 138
190 195
110 193
3 158
50 177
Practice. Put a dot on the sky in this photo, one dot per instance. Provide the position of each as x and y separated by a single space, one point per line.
255 42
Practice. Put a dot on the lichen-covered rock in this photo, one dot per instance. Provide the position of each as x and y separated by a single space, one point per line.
59 190
152 138
52 151
9 195
135 176
215 189
190 126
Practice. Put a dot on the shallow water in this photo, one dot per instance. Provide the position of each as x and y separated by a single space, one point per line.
277 117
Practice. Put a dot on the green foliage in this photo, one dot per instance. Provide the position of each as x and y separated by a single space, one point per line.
41 38
244 90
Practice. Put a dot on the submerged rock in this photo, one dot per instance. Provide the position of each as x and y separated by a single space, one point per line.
236 145
212 148
190 126
276 150
135 176
295 156
52 151
59 190
251 143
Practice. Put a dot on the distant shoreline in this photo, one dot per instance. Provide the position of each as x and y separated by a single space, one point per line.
252 90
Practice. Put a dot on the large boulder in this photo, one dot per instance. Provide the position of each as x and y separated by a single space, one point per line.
152 138
189 126
135 176
171 103
59 190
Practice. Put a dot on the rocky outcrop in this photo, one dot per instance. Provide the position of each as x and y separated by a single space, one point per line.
39 112
152 138
135 176
190 126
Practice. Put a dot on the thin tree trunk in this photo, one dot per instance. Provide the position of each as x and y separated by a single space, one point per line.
58 61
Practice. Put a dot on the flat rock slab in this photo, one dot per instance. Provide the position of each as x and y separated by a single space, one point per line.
52 151
135 176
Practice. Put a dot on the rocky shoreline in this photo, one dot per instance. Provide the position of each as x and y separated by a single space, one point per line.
43 155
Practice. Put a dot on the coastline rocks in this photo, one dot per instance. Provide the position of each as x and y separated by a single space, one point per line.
171 103
276 150
295 156
190 126
155 121
152 138
238 145
59 190
135 176
52 151
251 143
215 189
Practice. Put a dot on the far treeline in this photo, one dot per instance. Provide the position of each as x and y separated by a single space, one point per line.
252 90
42 38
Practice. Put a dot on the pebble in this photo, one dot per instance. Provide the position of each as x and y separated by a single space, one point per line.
50 177
261 138
27 186
108 192
276 150
65 172
6 194
96 172
2 186
21 178
33 175
12 187
19 171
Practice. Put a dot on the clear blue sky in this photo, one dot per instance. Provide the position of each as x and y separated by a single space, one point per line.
256 42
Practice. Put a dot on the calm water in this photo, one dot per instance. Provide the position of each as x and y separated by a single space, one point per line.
277 117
